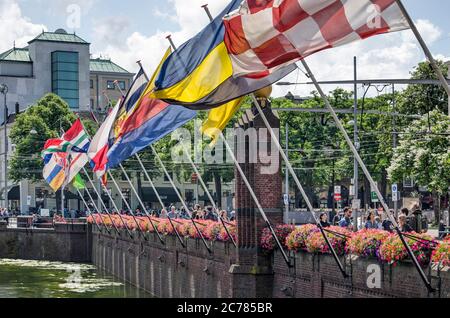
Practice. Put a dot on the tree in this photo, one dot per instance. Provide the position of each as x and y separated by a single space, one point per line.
421 99
47 117
424 155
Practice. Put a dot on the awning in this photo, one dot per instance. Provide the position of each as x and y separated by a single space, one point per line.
168 195
14 194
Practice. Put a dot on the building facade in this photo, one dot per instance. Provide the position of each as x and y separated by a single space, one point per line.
61 63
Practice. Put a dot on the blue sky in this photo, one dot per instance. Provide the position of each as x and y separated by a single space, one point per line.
127 31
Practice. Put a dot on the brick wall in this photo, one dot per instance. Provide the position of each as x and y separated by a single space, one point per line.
168 270
318 276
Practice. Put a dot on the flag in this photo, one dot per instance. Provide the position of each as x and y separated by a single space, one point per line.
145 122
98 150
199 74
77 138
78 183
57 172
218 119
264 35
53 146
54 171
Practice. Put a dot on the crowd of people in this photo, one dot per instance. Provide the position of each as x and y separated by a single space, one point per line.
197 212
408 221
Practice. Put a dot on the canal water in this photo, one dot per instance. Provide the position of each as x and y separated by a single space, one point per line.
41 279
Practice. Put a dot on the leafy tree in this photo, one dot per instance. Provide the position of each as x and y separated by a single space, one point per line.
47 117
424 155
421 99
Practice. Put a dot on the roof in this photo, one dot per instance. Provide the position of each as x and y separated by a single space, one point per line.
16 55
59 37
106 66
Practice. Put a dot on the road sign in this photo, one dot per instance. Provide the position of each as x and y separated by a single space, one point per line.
286 199
395 194
337 193
356 204
373 194
194 178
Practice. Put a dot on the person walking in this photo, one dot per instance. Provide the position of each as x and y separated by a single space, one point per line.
403 224
346 221
324 220
371 223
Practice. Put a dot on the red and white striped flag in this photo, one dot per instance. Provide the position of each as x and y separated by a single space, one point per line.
264 35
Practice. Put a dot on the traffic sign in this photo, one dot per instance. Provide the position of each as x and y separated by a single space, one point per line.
373 194
395 194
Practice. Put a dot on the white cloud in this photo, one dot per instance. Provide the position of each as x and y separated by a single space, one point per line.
15 27
190 17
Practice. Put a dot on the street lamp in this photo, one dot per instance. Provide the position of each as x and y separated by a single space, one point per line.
4 91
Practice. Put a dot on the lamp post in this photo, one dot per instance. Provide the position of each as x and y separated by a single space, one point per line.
4 91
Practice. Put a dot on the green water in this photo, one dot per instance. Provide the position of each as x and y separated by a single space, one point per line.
37 279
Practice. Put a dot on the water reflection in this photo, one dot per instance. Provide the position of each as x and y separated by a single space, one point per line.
41 279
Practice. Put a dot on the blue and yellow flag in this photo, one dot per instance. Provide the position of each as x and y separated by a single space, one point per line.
198 75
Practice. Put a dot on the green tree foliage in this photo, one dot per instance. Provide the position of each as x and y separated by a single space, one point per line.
421 99
47 117
424 154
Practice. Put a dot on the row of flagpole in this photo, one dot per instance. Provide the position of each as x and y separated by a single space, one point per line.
288 164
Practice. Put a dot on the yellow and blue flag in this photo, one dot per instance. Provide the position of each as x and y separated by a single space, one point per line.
199 74
145 121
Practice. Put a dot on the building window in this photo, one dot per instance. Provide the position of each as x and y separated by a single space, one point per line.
65 77
91 84
122 85
110 85
92 104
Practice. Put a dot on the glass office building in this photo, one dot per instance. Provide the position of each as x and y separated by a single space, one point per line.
65 77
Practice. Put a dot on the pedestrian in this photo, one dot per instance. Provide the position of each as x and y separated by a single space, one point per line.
337 218
173 213
417 221
224 215
324 220
371 222
163 214
233 216
210 214
403 224
346 221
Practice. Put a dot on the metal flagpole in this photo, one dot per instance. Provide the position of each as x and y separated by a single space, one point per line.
127 204
247 183
132 186
173 184
255 199
97 209
159 198
180 197
142 204
299 185
101 200
89 209
211 199
426 50
367 174
117 210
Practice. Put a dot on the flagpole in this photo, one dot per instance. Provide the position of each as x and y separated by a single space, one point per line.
101 200
117 210
211 199
89 209
255 199
367 174
247 183
142 204
174 187
426 50
180 197
299 185
159 198
97 209
127 204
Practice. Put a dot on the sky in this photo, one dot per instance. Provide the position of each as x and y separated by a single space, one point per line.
128 31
